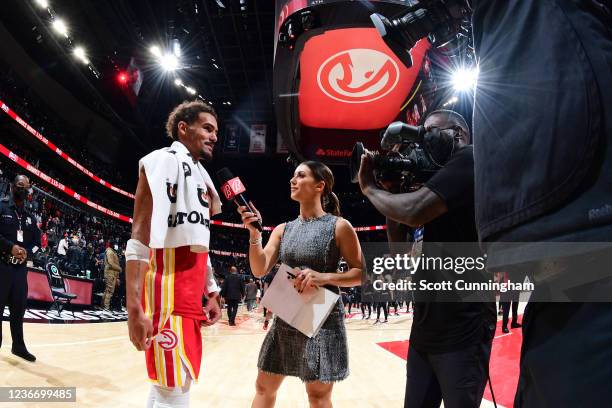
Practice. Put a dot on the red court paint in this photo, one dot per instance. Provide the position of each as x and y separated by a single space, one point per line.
504 364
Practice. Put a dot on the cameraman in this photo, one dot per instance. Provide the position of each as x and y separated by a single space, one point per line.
450 343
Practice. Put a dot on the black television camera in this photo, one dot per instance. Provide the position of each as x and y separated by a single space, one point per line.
442 21
413 154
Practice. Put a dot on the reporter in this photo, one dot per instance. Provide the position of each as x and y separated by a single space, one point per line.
315 241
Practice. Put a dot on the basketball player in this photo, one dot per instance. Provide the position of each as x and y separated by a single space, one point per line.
167 255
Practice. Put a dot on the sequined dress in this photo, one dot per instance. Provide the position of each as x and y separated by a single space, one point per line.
287 351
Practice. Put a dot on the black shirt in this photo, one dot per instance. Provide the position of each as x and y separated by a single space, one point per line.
13 219
233 288
542 130
451 326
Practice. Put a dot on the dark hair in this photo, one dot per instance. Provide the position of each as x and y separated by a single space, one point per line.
329 200
187 112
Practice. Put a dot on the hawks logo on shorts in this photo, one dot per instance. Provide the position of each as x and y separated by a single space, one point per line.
172 296
167 339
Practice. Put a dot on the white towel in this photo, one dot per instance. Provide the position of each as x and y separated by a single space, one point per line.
184 198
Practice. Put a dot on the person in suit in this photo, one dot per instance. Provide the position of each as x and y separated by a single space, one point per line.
233 292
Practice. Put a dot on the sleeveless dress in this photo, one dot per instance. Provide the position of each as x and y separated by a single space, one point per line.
287 351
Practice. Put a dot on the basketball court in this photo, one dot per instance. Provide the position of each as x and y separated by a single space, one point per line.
98 359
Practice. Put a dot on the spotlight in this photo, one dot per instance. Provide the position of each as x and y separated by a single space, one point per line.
169 62
465 79
178 82
191 90
42 3
155 51
60 27
79 52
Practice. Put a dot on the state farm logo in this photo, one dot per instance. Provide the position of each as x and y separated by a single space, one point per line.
167 339
358 75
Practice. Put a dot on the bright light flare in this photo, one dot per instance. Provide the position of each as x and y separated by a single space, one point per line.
60 26
42 3
169 62
155 51
191 90
80 53
178 82
465 79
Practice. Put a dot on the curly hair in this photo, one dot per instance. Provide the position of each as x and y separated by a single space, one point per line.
187 112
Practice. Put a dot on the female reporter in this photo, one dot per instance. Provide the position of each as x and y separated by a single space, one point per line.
315 241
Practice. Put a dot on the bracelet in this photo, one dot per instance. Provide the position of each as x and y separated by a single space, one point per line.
255 241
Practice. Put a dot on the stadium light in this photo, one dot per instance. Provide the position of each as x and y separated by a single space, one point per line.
80 53
169 62
60 27
155 51
465 79
42 3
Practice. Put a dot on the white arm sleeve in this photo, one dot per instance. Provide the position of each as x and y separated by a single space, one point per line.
211 283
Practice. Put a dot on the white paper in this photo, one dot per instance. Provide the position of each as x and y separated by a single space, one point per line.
306 311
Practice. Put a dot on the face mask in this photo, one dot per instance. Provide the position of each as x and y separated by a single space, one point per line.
20 193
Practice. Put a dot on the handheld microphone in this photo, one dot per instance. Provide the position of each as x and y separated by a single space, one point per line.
233 190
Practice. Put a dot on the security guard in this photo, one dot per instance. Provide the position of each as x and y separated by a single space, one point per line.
19 238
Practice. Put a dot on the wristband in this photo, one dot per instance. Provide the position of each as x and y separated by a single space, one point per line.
136 251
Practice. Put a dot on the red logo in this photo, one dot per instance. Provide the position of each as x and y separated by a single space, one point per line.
358 75
167 339
232 188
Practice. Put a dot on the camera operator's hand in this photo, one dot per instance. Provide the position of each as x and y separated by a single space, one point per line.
366 172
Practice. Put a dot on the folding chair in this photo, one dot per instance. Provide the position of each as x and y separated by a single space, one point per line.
60 296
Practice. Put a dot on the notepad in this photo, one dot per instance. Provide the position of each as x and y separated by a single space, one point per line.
306 311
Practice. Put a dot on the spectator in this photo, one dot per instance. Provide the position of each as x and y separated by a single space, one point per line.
233 292
63 247
251 295
112 269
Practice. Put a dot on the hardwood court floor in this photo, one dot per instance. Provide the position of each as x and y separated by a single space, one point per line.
107 371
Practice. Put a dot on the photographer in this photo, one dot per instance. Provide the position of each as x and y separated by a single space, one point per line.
450 343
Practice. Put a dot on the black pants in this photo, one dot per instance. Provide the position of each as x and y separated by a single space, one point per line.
14 293
232 309
458 378
383 306
566 355
506 311
367 305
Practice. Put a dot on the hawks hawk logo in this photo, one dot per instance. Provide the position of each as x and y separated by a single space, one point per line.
202 197
55 271
171 191
186 170
167 339
358 75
